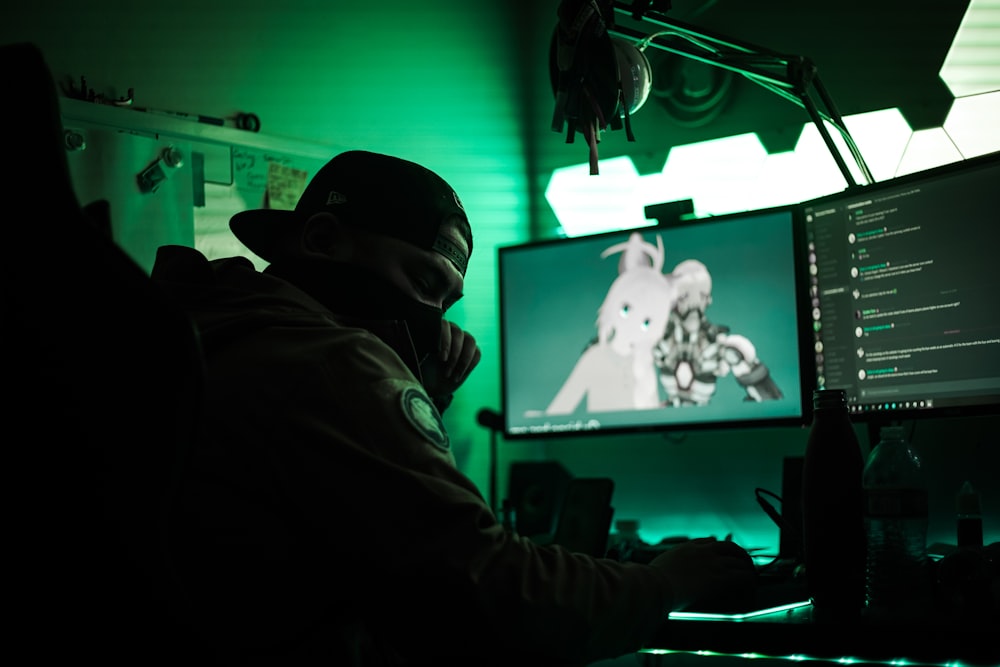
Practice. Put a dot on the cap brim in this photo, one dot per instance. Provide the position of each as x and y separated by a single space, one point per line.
270 234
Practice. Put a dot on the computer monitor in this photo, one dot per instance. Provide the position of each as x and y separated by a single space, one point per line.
903 288
697 324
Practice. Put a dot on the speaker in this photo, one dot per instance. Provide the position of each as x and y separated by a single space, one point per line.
585 518
536 489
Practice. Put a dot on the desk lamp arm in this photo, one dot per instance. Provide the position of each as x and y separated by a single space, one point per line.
792 77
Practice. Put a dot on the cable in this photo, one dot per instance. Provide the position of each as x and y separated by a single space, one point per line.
646 41
776 517
768 508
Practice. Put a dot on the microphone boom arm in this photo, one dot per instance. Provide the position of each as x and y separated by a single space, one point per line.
792 77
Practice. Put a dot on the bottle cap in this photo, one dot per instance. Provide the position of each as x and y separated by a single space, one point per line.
829 398
968 500
892 433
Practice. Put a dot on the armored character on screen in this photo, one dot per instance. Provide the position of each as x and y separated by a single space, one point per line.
694 352
616 370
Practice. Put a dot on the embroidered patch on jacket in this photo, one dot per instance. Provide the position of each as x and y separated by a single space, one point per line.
424 417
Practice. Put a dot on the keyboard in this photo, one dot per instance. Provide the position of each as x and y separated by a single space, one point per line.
779 583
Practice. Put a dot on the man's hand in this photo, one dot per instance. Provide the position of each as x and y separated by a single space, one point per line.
708 571
458 356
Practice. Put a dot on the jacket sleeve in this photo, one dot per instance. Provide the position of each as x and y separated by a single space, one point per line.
494 590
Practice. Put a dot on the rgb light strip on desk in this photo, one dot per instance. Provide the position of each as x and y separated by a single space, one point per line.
718 616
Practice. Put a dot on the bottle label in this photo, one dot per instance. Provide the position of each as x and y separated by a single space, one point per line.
896 502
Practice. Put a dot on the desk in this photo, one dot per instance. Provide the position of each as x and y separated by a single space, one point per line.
963 631
794 633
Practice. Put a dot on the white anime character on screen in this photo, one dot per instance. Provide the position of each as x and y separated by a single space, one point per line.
695 352
617 370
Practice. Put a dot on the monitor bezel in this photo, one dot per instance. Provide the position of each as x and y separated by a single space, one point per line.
806 367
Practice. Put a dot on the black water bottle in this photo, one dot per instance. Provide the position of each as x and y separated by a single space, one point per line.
833 511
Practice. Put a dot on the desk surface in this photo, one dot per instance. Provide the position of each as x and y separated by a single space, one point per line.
796 633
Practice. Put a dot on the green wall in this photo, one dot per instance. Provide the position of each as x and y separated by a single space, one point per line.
436 81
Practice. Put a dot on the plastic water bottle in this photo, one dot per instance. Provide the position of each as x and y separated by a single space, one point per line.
897 568
833 537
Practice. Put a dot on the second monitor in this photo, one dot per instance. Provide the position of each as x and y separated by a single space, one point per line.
698 324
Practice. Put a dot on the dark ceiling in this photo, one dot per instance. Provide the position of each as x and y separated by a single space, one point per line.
869 55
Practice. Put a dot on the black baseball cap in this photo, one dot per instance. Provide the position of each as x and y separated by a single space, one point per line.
379 193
